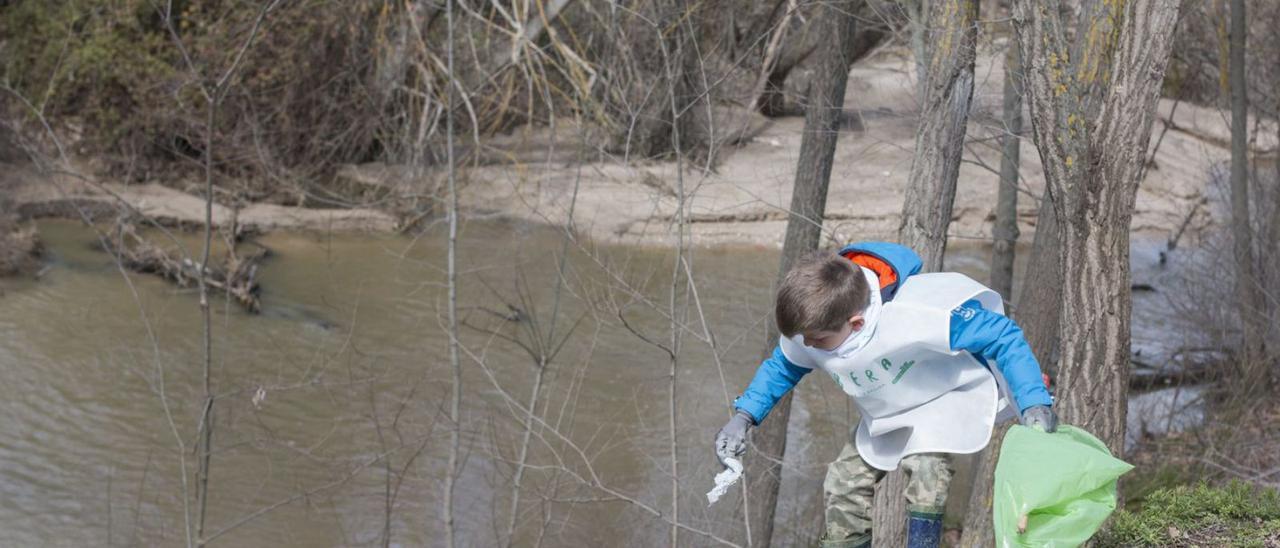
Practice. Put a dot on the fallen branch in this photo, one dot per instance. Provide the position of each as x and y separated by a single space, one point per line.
236 276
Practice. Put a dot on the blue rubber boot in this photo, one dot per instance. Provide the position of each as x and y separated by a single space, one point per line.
924 529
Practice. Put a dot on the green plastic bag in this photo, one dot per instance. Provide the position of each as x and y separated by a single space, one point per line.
1064 483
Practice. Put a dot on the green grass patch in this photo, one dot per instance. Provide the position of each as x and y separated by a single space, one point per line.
1235 515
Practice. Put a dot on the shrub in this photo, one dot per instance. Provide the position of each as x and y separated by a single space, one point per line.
112 74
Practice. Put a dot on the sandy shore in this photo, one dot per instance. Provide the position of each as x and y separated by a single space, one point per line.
38 195
746 198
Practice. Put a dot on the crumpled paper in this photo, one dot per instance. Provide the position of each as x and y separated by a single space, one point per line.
725 479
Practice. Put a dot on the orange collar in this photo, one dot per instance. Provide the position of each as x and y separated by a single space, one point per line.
882 269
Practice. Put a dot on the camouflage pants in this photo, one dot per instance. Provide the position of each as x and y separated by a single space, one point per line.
850 485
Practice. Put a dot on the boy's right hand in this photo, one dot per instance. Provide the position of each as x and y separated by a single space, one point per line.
732 439
1042 417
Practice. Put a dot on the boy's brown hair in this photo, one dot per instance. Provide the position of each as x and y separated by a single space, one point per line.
820 292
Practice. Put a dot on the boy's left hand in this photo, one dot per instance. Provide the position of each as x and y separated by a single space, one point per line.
1040 416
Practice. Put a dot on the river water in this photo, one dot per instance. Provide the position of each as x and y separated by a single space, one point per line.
331 418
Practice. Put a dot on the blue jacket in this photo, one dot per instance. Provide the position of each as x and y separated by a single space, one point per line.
983 333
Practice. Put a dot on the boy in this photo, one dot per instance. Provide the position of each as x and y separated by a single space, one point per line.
914 351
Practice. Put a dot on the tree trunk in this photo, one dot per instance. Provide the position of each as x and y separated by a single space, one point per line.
931 190
1038 315
1005 233
1037 308
889 515
1091 116
1272 267
947 90
977 528
1241 229
804 233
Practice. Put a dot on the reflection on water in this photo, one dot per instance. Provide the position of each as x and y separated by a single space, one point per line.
334 400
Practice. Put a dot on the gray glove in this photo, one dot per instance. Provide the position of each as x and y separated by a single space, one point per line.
1040 416
732 439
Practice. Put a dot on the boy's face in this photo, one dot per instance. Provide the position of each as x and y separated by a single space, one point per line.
830 340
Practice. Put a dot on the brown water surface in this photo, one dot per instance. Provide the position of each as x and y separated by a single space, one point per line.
332 405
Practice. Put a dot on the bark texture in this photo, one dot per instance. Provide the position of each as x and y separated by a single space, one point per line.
1005 232
804 233
1091 108
948 91
889 515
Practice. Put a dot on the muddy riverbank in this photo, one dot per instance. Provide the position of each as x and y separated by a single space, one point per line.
535 174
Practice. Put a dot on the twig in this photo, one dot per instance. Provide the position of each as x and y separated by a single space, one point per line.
213 94
455 402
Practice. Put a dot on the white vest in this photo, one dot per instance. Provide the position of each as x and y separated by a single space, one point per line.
914 394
